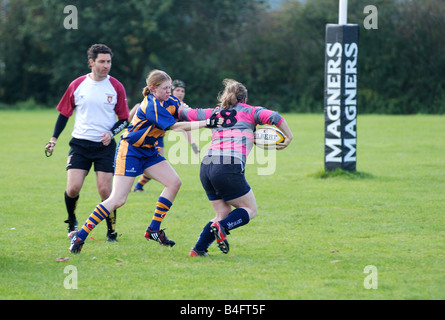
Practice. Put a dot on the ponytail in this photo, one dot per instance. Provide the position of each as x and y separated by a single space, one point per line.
146 91
234 93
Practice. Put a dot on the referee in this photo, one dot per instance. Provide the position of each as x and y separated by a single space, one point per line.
102 111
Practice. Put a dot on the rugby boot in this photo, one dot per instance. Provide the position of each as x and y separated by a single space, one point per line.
198 253
111 236
72 224
220 236
159 236
76 243
136 188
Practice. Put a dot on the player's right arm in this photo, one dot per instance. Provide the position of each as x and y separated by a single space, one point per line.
66 108
60 125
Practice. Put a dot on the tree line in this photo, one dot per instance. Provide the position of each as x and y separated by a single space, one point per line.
277 53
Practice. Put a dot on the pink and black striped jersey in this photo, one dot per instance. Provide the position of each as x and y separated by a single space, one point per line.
235 138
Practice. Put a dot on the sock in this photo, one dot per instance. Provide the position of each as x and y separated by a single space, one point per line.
99 213
111 222
205 238
162 207
71 204
142 181
237 218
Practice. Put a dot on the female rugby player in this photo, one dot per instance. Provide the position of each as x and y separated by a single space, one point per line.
178 91
222 168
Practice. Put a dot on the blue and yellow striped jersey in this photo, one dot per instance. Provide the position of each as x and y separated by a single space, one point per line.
151 120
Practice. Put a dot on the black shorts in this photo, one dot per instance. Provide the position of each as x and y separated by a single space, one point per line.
84 153
224 181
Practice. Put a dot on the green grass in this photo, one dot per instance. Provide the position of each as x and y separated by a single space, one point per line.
313 236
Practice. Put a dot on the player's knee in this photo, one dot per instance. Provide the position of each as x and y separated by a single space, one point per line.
117 203
120 204
176 184
104 192
73 191
252 212
114 202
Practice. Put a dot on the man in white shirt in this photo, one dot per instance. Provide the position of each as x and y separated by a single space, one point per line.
98 99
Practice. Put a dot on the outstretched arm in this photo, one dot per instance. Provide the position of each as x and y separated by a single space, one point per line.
188 126
212 122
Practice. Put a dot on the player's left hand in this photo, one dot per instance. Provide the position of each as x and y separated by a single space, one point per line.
214 121
106 138
284 144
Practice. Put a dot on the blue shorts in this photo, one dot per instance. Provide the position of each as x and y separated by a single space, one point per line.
223 181
132 161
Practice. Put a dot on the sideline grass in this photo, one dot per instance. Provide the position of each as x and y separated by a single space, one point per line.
312 239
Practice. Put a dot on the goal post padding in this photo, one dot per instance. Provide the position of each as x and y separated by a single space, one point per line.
340 97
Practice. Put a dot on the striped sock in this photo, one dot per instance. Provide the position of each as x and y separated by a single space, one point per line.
162 207
142 181
99 214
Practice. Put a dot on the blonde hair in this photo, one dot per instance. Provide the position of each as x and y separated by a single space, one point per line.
155 79
234 93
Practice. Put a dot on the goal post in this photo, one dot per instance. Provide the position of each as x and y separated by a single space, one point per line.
340 93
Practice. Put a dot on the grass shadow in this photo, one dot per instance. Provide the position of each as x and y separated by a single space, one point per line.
339 173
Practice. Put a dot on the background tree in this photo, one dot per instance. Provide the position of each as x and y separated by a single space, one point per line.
278 54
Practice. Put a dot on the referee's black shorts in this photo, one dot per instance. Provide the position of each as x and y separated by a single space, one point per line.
83 153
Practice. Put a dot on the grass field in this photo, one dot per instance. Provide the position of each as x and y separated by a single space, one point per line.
312 239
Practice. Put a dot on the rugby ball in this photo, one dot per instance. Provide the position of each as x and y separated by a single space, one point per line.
268 137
